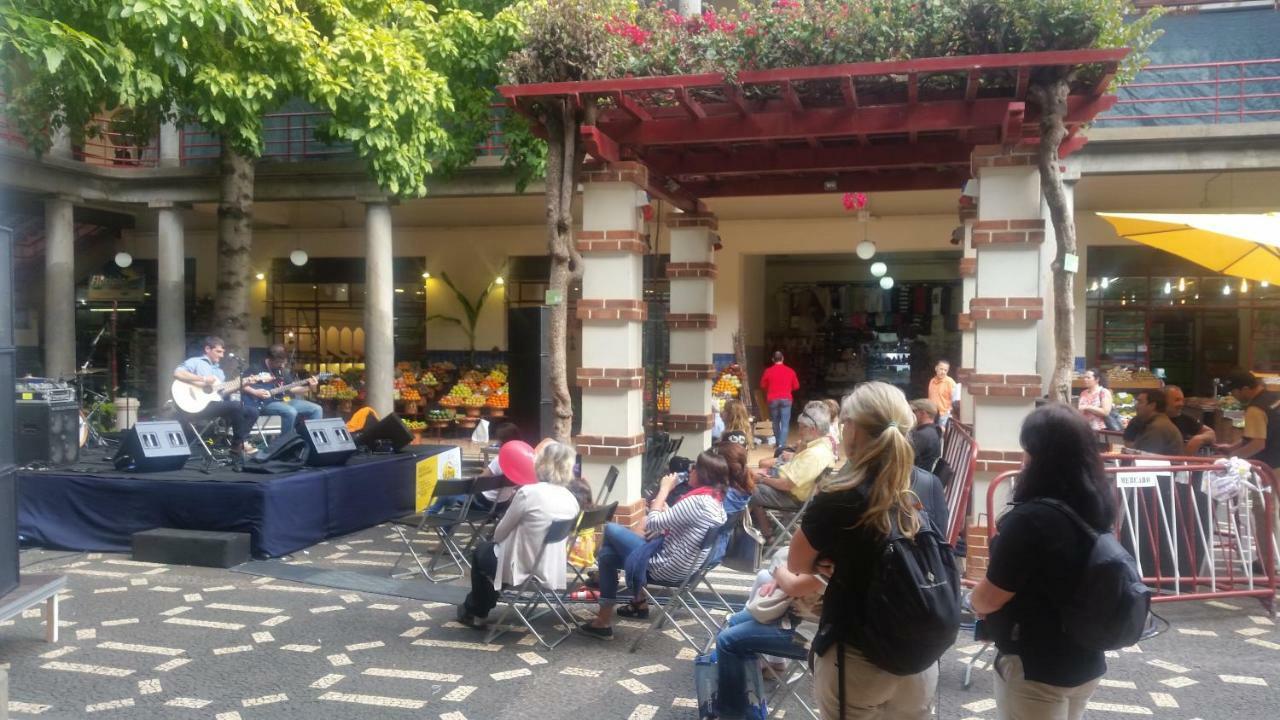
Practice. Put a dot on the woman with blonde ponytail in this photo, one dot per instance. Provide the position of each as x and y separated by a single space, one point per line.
877 490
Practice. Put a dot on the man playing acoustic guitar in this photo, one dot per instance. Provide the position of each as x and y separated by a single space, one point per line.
295 407
203 370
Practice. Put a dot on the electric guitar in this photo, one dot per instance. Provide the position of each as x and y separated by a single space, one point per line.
277 392
192 398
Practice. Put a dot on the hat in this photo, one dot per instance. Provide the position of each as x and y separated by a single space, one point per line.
1238 380
735 436
516 460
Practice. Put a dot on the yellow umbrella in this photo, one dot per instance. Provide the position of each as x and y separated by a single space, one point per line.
1241 245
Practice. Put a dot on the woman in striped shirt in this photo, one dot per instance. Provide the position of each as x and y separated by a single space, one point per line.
674 547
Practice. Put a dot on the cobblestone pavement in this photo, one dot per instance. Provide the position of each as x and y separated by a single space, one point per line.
156 641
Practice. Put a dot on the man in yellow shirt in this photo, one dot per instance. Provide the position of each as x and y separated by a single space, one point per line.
941 389
796 479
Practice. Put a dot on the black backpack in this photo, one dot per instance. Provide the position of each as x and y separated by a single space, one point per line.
1109 607
910 613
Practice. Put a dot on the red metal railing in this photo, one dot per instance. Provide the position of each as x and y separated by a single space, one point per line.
1199 93
109 144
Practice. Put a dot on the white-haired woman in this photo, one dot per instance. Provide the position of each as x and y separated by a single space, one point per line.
788 486
512 555
878 487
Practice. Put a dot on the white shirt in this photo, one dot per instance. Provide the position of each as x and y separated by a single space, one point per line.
521 531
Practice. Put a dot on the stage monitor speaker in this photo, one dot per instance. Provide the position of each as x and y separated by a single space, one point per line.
328 442
529 371
387 435
153 446
46 432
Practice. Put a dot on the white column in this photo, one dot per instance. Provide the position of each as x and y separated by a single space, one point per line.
379 303
1008 306
692 273
171 315
170 145
59 288
612 311
969 286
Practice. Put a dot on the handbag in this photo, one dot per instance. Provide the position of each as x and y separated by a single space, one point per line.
706 680
745 547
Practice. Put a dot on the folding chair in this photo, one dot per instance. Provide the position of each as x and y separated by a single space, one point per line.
266 428
789 684
444 525
204 438
681 595
590 520
787 520
482 522
534 593
606 488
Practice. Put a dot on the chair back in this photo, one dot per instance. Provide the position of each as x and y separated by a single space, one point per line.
596 517
454 486
489 482
559 530
606 488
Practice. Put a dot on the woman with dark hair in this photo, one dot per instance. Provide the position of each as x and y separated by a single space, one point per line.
682 527
1095 399
740 484
1037 559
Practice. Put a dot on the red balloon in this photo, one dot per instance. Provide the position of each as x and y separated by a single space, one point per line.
516 460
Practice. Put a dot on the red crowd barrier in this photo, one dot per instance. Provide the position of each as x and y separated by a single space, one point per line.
1188 545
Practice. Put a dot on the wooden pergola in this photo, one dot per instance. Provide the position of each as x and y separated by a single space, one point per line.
877 126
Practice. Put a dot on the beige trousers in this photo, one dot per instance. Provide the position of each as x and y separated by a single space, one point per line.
1018 698
869 692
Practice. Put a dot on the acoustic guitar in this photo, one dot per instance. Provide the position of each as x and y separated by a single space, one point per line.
193 399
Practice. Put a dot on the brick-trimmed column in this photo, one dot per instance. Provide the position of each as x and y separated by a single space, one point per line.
612 310
692 273
1007 307
968 215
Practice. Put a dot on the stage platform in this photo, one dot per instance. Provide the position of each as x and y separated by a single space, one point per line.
90 506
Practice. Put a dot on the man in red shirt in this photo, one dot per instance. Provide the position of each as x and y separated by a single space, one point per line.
778 383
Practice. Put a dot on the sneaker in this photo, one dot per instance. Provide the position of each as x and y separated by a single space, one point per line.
599 633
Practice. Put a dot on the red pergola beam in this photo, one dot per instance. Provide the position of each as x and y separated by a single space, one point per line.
816 184
693 107
827 122
632 108
761 161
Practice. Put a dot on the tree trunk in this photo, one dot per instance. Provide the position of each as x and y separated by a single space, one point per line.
564 157
1051 97
235 235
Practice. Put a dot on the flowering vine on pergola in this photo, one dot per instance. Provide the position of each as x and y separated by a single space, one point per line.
874 126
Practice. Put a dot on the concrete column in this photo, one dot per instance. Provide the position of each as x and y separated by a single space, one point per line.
692 273
171 315
612 311
969 288
170 145
59 288
379 303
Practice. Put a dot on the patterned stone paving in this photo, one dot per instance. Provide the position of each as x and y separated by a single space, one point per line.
153 641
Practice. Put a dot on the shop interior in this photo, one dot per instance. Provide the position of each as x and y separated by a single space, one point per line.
842 320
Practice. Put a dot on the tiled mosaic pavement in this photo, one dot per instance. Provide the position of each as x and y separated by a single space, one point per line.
148 641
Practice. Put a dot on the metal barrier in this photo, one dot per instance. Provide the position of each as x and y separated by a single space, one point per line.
961 453
1195 93
1188 544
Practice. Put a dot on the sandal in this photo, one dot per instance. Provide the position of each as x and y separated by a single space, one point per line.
636 611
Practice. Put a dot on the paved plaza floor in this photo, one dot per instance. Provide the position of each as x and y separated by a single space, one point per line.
159 641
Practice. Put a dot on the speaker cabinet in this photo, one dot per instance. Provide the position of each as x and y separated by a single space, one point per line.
46 432
387 435
529 371
153 446
328 442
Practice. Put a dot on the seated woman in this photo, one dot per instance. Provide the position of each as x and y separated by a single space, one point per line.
517 540
733 448
780 600
674 548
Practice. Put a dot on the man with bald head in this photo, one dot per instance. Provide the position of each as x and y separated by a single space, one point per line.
1195 434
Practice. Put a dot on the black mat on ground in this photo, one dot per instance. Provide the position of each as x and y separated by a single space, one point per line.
378 584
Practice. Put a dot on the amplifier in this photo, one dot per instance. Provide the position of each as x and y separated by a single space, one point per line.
47 432
43 390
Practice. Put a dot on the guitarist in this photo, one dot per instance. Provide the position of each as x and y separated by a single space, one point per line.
204 370
289 411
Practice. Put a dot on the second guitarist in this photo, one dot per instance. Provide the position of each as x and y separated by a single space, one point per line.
204 370
296 406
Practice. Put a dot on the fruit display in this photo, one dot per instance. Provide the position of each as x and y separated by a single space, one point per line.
429 379
414 424
499 399
729 384
441 415
336 389
664 397
474 401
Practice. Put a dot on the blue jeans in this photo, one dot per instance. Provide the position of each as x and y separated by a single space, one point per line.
619 542
290 411
736 646
780 414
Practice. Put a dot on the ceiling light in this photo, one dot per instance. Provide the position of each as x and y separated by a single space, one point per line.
865 250
886 282
124 259
261 276
1182 284
298 257
426 275
1244 285
879 269
1168 287
499 281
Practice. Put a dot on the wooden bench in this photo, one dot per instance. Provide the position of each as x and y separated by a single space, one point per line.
31 590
